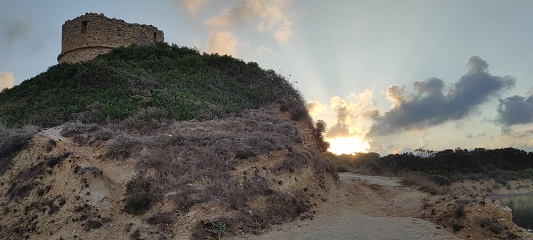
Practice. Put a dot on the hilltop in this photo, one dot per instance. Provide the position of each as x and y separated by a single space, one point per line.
158 81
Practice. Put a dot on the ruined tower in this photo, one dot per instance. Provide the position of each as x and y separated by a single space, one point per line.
92 34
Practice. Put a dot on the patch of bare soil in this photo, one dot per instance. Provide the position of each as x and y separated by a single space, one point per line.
364 207
470 211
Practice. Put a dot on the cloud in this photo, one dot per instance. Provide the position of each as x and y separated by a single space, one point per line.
270 14
515 110
7 80
350 114
429 105
16 30
192 6
262 50
315 107
397 95
222 42
522 139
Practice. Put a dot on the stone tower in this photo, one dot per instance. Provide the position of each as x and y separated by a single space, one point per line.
90 35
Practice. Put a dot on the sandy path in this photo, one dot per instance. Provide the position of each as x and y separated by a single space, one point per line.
363 207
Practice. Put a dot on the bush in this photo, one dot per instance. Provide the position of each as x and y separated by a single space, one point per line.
440 180
76 129
292 162
139 197
423 182
121 147
13 141
459 212
492 224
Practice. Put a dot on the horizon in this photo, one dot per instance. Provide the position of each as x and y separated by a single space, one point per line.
386 77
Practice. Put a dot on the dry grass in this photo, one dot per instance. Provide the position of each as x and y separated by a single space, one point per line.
423 182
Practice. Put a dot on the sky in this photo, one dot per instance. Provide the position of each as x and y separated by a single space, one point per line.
385 76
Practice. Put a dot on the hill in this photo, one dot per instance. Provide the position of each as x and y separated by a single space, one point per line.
159 82
156 142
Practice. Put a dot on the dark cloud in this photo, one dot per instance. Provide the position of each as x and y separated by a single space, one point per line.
15 30
429 105
515 110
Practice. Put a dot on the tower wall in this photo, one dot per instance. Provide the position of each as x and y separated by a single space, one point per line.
89 35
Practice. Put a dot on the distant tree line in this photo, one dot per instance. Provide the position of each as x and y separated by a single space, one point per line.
459 163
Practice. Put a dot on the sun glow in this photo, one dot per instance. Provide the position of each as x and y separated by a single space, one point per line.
347 145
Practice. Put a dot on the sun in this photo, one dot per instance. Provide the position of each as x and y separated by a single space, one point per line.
347 145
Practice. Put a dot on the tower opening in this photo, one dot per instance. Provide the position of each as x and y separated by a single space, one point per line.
83 26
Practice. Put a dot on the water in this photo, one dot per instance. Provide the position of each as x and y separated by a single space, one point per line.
522 206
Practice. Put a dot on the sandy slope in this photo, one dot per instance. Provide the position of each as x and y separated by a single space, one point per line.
363 207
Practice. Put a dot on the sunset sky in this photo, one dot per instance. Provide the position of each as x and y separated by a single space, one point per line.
386 76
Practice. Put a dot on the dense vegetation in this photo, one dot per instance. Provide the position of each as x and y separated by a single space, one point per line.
500 164
146 83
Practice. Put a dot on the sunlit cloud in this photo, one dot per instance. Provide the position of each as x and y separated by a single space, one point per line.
222 42
7 80
315 107
347 129
270 15
192 6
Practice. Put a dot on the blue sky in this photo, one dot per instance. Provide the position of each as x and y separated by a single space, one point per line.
394 75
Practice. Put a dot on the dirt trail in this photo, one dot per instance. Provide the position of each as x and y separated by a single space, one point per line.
363 207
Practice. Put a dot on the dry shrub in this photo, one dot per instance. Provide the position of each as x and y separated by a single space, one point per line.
146 119
73 129
492 224
162 219
365 163
139 197
459 212
423 182
121 147
12 141
280 208
292 162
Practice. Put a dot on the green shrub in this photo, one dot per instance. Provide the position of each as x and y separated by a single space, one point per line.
147 85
